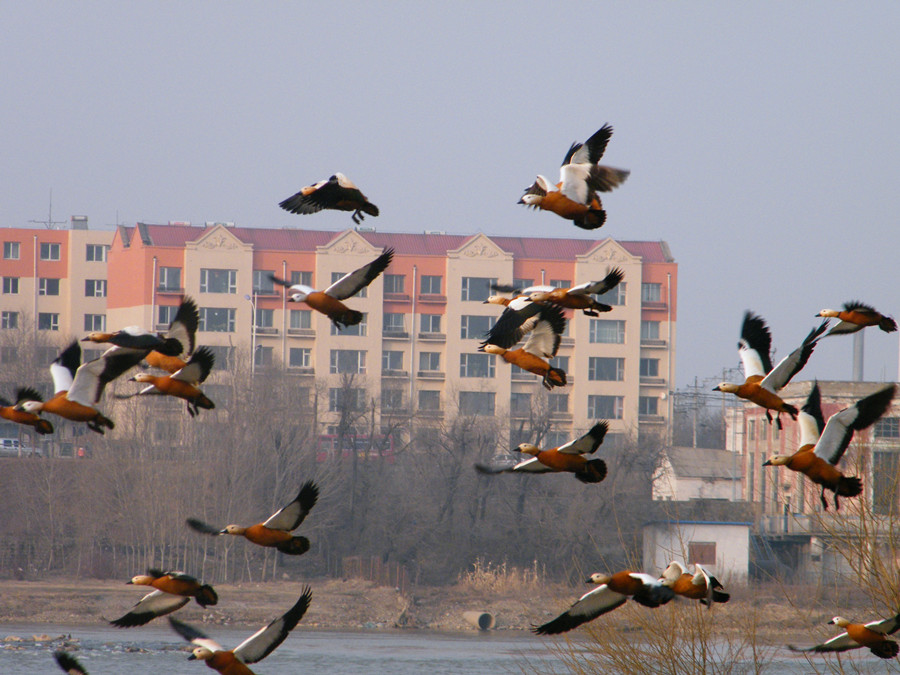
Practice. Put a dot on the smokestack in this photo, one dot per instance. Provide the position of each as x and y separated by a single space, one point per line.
858 355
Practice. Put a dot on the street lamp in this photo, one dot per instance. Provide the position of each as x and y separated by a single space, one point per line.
252 301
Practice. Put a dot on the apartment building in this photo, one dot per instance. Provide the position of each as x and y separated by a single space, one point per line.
416 350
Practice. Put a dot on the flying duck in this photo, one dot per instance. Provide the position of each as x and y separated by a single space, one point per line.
338 193
612 592
872 635
276 531
700 586
817 460
255 648
12 411
855 316
569 457
762 380
575 196
328 302
184 384
69 663
173 591
579 297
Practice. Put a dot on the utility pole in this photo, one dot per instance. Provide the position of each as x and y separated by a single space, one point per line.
49 223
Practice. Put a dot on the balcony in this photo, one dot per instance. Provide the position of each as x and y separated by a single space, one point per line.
430 375
394 412
266 330
396 297
566 342
301 332
655 305
658 381
395 373
295 370
391 334
169 290
432 299
653 344
651 419
561 416
274 293
522 375
432 337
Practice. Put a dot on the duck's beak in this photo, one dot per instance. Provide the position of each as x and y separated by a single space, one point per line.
831 623
192 657
768 462
716 388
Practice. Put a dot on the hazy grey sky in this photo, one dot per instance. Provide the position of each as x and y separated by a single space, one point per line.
762 136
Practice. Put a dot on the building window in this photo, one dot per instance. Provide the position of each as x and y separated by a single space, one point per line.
351 361
9 320
476 403
95 288
751 430
336 276
429 361
558 403
96 252
476 365
48 321
167 314
475 327
265 318
649 330
392 399
606 369
431 285
607 331
10 285
218 281
217 319
49 251
763 431
95 322
561 362
169 278
346 399
648 405
649 367
262 357
430 323
887 427
477 288
614 296
703 552
429 399
391 360
9 354
11 250
520 404
302 278
561 283
394 323
605 407
299 357
300 319
358 330
522 284
262 281
48 286
885 468
224 356
651 292
393 283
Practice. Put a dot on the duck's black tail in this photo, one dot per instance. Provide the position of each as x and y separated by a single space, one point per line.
592 472
848 486
206 595
296 546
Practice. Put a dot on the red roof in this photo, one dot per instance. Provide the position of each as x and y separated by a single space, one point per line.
405 243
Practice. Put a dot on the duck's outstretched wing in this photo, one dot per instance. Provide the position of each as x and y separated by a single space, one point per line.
290 517
587 608
755 346
149 607
69 663
351 284
810 418
262 643
840 427
791 364
531 465
587 443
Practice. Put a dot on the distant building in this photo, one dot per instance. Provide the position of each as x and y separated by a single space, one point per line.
697 473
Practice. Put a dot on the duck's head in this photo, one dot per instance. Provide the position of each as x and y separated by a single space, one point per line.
531 199
494 349
539 296
777 460
727 387
142 377
299 293
839 621
233 529
527 448
141 580
598 578
96 337
201 654
33 407
830 313
496 300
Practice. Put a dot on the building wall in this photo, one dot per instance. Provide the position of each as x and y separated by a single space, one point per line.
665 542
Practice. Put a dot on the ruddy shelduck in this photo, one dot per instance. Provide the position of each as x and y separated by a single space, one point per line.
579 297
338 193
700 586
276 531
817 461
569 457
872 635
575 196
763 382
173 590
328 302
544 326
183 384
255 648
183 328
12 411
855 316
69 663
74 395
612 592
176 341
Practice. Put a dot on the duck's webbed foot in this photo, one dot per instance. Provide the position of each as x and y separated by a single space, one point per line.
778 421
357 216
825 501
190 409
95 426
769 416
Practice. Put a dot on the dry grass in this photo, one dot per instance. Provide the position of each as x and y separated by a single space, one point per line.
488 577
